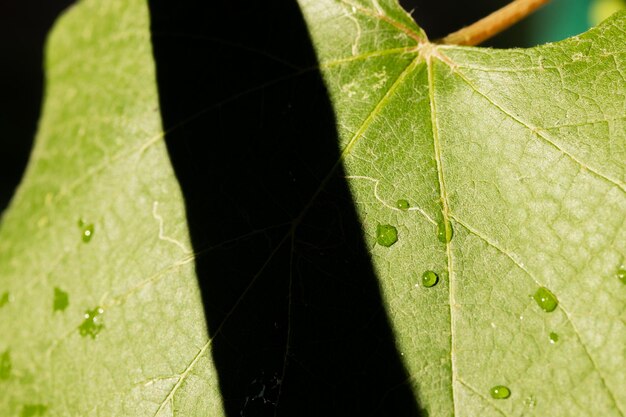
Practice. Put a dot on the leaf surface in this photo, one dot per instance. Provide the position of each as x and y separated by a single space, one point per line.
104 317
522 153
517 155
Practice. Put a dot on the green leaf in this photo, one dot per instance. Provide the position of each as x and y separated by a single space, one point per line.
511 163
104 316
522 153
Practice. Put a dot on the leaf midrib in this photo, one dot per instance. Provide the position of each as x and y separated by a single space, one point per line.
443 194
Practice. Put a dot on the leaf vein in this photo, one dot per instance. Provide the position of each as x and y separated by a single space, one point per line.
536 130
445 214
379 14
521 266
482 397
182 376
387 205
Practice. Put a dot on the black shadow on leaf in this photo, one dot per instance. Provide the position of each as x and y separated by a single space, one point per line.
297 320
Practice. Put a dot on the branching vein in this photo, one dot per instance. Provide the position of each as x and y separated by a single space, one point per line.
527 272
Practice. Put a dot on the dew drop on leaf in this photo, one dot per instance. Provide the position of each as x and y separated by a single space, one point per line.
621 275
554 337
429 279
545 299
33 410
5 365
403 204
61 300
92 325
87 231
4 299
386 235
444 231
500 392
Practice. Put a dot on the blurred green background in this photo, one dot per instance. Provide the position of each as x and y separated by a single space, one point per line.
25 23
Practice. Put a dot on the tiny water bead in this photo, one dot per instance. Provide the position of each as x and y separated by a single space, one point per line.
429 279
87 232
61 300
386 235
554 337
444 231
92 325
33 410
5 365
621 275
500 392
403 204
545 299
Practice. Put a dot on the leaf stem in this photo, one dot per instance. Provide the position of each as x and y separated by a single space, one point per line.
492 24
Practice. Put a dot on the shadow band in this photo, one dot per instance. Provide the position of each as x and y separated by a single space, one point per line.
297 318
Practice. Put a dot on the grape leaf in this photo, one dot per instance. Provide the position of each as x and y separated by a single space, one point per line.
517 156
511 163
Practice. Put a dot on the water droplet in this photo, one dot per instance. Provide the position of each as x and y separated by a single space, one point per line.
545 299
444 231
61 300
92 325
4 299
386 235
621 275
403 204
554 337
500 392
5 364
87 232
429 279
32 410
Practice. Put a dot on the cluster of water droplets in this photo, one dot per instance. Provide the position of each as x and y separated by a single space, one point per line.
92 323
387 235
